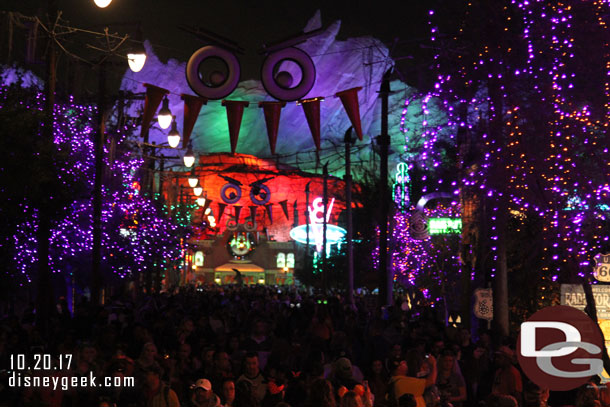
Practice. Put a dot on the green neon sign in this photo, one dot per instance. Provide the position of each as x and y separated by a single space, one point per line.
443 226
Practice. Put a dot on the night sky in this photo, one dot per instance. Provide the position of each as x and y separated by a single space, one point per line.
249 23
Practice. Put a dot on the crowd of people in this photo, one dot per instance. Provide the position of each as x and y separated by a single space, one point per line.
263 346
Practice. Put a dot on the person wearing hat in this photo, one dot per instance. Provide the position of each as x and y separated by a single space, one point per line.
203 396
507 379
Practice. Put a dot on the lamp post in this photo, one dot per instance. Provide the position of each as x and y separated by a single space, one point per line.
385 277
348 208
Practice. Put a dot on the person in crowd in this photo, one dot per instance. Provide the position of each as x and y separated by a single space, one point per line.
351 399
507 379
222 368
501 400
244 395
203 396
476 372
449 381
253 375
148 358
322 394
342 375
157 393
413 384
227 393
377 380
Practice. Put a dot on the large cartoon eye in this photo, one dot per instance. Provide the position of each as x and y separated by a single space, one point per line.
279 82
230 193
418 223
231 223
250 225
260 194
213 72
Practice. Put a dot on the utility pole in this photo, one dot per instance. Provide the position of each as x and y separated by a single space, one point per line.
383 140
324 227
348 202
307 224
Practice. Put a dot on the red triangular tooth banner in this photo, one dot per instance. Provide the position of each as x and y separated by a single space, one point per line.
253 212
284 205
272 111
349 98
192 107
269 212
235 112
154 96
221 211
311 107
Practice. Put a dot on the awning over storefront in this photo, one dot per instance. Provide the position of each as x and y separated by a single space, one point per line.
241 267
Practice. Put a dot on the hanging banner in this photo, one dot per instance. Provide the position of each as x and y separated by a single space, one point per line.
311 107
235 112
192 107
284 205
253 212
272 111
221 211
154 96
270 212
484 303
349 98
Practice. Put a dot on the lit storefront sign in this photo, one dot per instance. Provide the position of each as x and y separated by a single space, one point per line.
443 226
334 234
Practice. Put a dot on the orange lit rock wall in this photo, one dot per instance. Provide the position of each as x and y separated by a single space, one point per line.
285 184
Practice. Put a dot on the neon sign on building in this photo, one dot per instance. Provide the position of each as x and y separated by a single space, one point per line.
334 233
442 226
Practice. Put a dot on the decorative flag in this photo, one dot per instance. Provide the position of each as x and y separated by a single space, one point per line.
311 107
253 212
221 210
349 98
192 106
270 212
284 205
235 112
154 96
272 112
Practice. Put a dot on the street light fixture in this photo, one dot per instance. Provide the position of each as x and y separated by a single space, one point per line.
201 201
189 157
102 3
165 115
136 56
197 191
193 180
173 137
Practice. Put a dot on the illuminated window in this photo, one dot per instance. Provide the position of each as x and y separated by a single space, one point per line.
199 259
290 260
281 260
